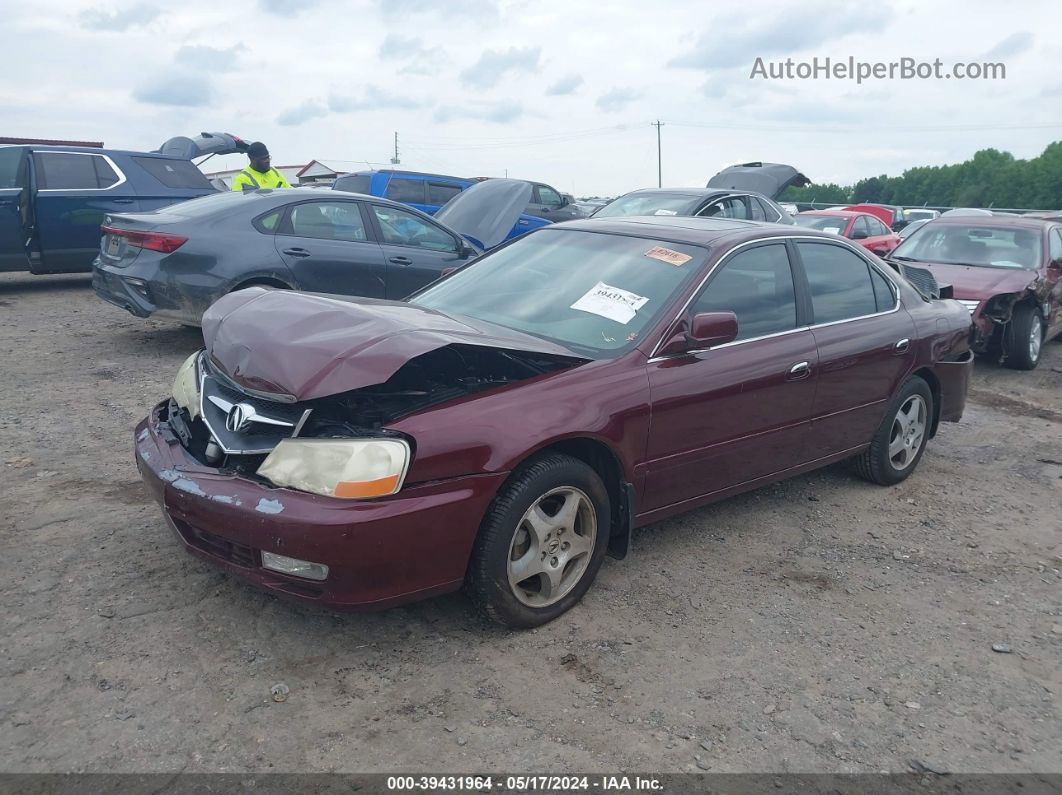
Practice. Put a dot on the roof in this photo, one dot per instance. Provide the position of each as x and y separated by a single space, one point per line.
679 228
839 213
336 166
1001 221
691 192
51 142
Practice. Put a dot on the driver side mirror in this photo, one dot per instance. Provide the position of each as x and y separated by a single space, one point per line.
708 329
859 234
466 251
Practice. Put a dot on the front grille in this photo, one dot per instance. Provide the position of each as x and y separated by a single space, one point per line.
266 422
970 305
216 546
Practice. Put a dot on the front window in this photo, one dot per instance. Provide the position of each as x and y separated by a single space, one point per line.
400 228
649 204
73 171
595 293
978 245
549 197
824 223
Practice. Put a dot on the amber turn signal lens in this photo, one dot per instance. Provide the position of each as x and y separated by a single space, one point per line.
370 488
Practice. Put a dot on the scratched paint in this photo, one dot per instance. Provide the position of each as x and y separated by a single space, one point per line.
181 483
269 506
227 499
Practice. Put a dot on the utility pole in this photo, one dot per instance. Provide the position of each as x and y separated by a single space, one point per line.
394 160
659 167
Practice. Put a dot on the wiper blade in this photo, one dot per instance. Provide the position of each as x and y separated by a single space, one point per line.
904 259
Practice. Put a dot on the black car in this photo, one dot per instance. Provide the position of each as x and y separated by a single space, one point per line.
177 261
745 192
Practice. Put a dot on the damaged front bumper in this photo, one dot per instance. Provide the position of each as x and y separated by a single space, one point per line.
378 553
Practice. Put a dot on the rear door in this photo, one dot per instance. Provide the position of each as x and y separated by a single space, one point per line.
739 411
416 250
328 247
16 209
865 344
74 191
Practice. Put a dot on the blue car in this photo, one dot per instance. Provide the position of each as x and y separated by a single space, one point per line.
53 198
429 192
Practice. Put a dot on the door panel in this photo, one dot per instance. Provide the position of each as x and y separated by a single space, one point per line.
15 217
328 248
865 347
416 251
727 416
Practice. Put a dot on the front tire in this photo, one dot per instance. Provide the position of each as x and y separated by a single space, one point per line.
1024 338
901 438
541 543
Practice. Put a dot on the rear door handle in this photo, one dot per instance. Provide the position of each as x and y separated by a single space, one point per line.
400 260
902 346
799 370
122 201
297 252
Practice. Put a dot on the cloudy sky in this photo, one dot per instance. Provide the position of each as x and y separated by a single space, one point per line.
562 92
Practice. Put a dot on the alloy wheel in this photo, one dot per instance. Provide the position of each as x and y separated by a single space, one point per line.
908 431
552 546
1036 338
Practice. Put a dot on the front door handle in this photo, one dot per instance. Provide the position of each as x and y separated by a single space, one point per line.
296 252
799 370
122 201
401 260
902 346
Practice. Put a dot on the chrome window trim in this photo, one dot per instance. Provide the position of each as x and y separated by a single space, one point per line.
653 357
111 163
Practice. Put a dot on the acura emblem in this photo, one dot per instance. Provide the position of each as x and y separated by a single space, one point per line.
240 417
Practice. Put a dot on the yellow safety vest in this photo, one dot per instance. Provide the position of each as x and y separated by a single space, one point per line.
257 180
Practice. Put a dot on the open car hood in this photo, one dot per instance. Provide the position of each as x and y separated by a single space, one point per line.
203 144
301 346
770 179
486 212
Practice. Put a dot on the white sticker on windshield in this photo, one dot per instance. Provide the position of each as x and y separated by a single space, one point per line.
611 302
833 230
665 212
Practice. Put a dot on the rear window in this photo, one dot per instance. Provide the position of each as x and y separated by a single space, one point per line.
440 194
405 190
174 173
353 183
206 205
73 171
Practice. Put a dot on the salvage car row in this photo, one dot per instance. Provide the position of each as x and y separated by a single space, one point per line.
431 403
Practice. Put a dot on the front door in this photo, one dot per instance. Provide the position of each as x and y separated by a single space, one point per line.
416 250
740 411
327 247
16 218
865 341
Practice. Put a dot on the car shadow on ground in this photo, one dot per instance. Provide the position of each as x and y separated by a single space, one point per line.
25 284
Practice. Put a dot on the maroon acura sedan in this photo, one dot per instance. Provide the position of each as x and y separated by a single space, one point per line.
506 427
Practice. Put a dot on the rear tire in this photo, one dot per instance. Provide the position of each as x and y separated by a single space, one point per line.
901 437
1024 338
541 543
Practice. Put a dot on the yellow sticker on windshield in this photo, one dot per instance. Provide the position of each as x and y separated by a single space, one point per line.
671 257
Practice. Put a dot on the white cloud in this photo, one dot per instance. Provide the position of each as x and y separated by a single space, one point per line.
493 65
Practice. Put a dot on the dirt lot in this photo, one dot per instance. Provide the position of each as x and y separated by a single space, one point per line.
822 624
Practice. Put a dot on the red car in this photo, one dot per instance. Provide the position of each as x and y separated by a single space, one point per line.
864 228
506 427
1006 269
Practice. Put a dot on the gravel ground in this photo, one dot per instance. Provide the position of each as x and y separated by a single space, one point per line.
821 624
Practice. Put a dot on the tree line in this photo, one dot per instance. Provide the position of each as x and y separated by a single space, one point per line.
990 178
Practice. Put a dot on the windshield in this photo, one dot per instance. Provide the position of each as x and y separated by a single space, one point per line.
649 204
825 223
970 244
596 293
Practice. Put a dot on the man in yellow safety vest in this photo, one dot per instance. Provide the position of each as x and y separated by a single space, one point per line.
258 174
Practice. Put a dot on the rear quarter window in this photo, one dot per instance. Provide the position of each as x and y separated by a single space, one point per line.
353 183
73 171
405 190
174 173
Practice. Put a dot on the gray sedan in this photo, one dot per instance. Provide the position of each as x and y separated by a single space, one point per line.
177 261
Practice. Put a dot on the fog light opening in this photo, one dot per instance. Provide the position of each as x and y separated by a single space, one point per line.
294 566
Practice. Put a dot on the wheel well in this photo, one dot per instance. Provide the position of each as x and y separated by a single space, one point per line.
263 281
602 460
927 375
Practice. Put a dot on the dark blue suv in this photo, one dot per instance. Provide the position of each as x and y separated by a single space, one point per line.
53 198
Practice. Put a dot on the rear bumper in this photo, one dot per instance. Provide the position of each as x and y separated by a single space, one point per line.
114 287
379 553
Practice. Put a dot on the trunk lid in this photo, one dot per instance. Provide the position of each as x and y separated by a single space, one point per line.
302 346
486 212
770 179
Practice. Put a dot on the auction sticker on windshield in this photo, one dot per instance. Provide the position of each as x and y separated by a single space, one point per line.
611 302
670 256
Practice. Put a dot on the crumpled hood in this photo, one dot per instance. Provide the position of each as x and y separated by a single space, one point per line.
305 346
486 211
770 179
979 284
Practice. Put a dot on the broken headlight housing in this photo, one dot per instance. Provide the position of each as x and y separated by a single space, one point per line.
346 468
186 385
